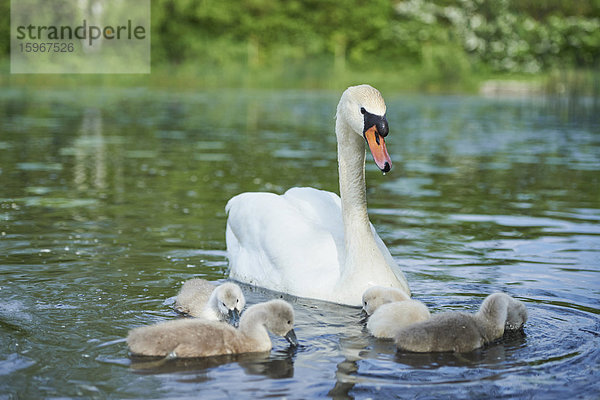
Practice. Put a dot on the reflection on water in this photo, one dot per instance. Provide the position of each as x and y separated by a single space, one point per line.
276 366
108 202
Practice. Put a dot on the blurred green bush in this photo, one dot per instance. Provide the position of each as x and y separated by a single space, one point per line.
443 42
500 35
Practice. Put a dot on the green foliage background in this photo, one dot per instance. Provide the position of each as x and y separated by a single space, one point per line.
433 44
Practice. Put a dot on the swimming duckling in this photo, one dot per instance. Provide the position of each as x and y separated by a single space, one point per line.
389 318
461 332
375 296
200 298
183 338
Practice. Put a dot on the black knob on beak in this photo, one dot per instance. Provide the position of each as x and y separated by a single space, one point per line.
380 123
383 127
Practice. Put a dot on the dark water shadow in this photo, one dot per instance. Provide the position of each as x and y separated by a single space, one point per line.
494 353
491 356
276 365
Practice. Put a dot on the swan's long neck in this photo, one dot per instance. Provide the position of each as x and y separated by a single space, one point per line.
252 325
361 250
351 163
493 312
211 308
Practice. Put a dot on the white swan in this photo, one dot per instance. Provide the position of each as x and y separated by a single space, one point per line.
309 242
187 337
201 299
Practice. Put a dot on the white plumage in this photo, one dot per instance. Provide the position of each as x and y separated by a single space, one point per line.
388 319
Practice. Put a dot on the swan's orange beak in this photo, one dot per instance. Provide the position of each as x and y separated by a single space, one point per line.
377 146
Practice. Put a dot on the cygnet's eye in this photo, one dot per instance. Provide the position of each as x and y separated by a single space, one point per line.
237 301
223 304
289 322
362 110
365 303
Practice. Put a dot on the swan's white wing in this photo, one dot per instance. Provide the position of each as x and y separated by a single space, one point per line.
291 243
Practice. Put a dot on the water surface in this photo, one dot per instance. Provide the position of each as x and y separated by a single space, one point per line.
110 199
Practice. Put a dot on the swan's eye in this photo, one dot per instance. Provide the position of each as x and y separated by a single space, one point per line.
237 301
362 110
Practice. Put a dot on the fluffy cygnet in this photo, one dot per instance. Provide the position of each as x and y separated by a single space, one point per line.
461 332
200 298
389 318
199 338
375 296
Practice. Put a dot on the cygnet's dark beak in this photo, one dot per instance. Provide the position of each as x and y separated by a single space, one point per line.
291 337
364 317
233 317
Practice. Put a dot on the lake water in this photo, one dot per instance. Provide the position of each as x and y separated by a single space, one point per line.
110 199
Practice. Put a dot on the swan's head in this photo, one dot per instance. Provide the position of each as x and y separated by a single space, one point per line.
516 315
376 296
504 311
230 302
363 109
279 319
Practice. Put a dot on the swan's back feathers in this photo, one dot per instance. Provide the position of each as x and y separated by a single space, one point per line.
449 331
388 319
321 207
263 233
193 296
184 338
